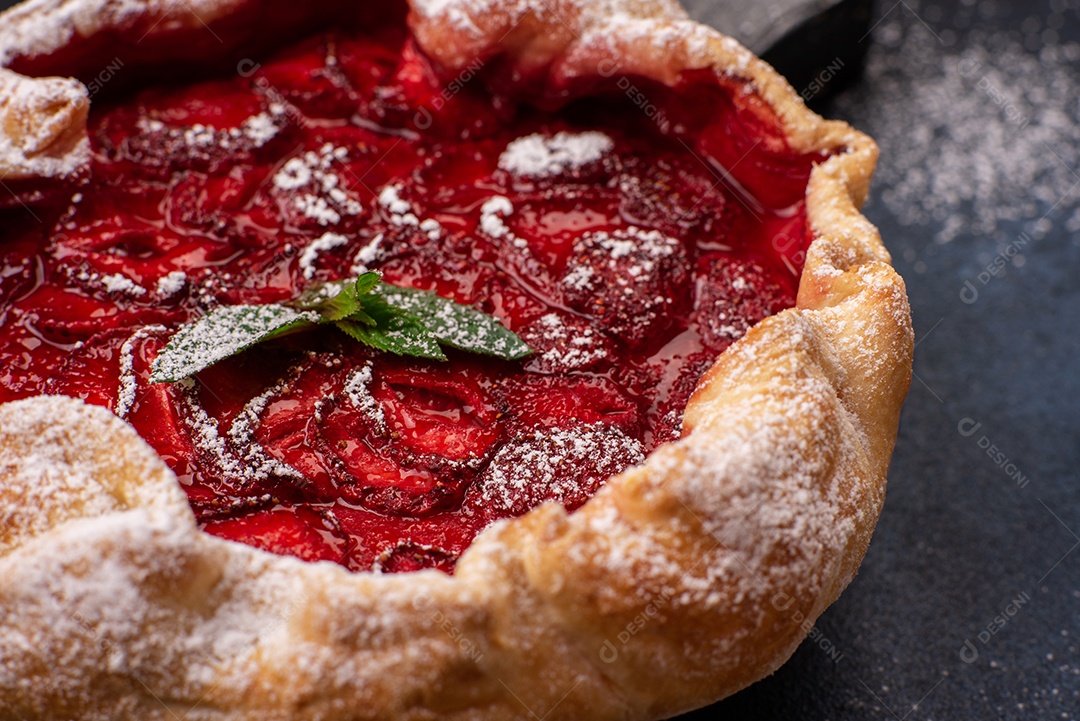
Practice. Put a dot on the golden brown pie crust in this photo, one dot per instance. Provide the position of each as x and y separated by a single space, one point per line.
682 581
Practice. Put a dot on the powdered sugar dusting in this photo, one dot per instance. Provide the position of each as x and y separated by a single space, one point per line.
367 255
259 463
358 391
548 463
42 126
205 432
459 14
254 132
540 156
492 213
401 212
108 283
52 470
580 277
565 348
403 215
325 242
34 481
172 283
117 283
644 249
310 183
125 397
294 174
988 134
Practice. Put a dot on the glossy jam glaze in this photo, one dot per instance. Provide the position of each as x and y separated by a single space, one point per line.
628 248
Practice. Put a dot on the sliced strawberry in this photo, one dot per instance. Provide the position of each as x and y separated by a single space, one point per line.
91 371
563 342
208 127
669 412
295 532
732 295
435 411
505 298
553 220
632 281
209 204
415 98
409 556
28 360
674 196
368 65
566 465
405 441
380 536
286 425
553 401
154 409
309 78
410 259
69 315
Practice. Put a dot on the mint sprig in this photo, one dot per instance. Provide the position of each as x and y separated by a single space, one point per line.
222 333
404 321
456 325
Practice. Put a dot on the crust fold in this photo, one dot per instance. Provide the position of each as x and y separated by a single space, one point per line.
42 127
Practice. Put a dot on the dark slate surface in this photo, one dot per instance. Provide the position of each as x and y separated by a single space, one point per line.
962 542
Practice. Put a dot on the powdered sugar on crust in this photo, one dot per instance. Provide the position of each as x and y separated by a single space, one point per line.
52 470
40 27
42 127
469 16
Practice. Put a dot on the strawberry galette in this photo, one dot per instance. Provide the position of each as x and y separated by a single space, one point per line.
474 359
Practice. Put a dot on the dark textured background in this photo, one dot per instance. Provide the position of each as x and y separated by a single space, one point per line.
960 540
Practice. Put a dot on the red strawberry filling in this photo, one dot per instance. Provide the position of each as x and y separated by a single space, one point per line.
627 254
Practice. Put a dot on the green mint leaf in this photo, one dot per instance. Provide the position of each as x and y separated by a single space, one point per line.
362 317
368 282
222 333
405 321
379 312
342 305
337 300
402 335
395 330
456 325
